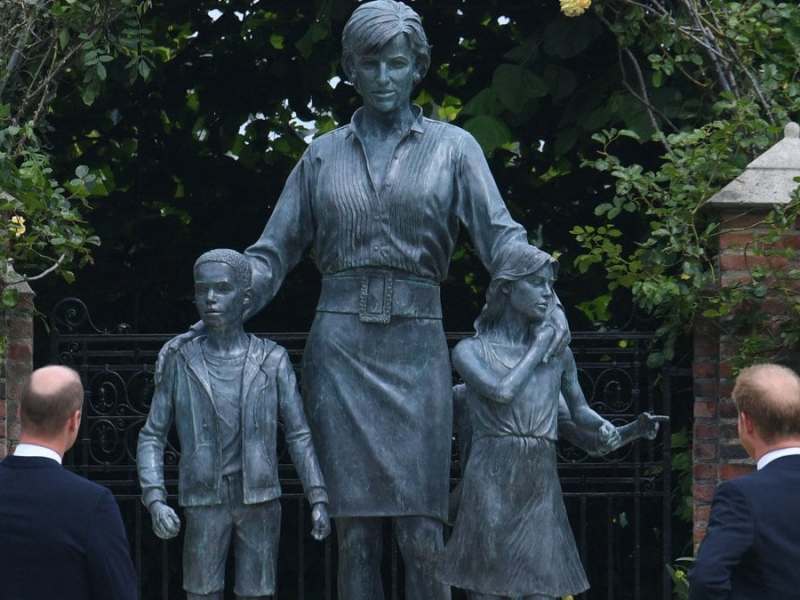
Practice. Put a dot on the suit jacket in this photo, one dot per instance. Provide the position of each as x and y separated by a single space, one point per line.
184 395
752 547
61 536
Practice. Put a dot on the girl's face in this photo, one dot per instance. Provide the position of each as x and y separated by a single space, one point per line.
532 294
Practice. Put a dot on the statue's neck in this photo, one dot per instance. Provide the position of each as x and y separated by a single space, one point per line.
376 125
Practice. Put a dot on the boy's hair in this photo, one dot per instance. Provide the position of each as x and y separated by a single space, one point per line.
770 395
235 260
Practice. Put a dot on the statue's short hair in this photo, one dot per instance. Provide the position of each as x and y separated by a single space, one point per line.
50 396
770 395
373 24
235 260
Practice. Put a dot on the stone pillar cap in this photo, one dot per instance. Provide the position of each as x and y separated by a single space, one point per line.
768 180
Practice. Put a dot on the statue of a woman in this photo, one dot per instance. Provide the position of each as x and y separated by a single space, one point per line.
380 202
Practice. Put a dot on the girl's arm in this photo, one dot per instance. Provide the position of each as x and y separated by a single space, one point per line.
471 364
582 415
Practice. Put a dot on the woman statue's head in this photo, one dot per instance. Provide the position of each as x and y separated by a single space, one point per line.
385 52
522 278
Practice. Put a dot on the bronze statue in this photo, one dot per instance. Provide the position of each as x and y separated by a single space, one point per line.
511 537
224 391
380 202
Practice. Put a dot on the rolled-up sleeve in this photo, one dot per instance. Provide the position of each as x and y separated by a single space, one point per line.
480 206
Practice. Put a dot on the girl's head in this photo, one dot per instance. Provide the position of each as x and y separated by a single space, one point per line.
522 281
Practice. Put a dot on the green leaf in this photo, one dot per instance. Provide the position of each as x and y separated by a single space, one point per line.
9 297
490 132
515 86
276 41
483 103
63 38
565 38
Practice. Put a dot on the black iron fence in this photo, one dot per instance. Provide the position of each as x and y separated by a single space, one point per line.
619 505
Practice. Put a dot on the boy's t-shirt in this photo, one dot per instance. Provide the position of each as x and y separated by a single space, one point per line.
225 375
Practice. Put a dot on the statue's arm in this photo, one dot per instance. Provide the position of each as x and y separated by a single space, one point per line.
153 437
470 363
588 441
298 434
286 236
483 212
582 415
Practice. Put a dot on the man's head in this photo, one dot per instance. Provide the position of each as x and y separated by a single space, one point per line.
222 280
768 400
50 407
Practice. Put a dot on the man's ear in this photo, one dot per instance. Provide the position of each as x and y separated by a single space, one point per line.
746 422
74 421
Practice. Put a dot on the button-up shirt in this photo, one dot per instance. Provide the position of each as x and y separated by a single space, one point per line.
437 180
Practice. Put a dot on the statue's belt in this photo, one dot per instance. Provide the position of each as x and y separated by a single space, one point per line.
377 295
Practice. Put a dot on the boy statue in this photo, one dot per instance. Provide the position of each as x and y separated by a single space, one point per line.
224 391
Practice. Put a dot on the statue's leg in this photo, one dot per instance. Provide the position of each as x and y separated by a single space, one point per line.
360 548
477 596
421 543
205 548
257 534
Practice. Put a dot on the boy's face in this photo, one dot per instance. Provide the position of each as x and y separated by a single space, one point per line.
219 298
532 295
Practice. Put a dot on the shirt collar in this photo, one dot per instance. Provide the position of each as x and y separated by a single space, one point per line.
775 455
34 450
417 125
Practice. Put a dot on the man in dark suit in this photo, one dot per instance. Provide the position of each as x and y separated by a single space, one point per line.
61 536
752 547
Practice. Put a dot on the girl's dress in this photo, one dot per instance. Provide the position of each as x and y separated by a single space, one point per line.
512 536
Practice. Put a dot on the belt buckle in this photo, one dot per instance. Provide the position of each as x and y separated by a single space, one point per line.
384 314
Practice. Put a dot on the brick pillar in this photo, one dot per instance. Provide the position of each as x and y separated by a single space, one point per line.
740 208
16 325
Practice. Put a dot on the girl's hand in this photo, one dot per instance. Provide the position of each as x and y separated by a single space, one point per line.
610 438
558 321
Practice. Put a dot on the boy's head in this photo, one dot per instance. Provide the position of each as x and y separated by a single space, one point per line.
222 290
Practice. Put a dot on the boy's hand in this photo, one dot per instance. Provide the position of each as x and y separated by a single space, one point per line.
172 346
321 521
649 424
166 523
610 438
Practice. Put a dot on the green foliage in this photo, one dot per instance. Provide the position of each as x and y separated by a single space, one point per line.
79 45
741 73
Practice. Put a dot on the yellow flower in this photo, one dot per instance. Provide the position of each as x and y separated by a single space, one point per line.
575 8
18 225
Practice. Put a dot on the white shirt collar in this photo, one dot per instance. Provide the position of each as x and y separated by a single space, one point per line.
774 455
34 450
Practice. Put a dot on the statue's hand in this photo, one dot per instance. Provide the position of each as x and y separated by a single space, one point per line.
321 521
610 439
166 523
171 347
561 339
649 424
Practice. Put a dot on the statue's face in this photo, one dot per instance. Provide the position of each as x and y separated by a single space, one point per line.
533 294
385 79
220 300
